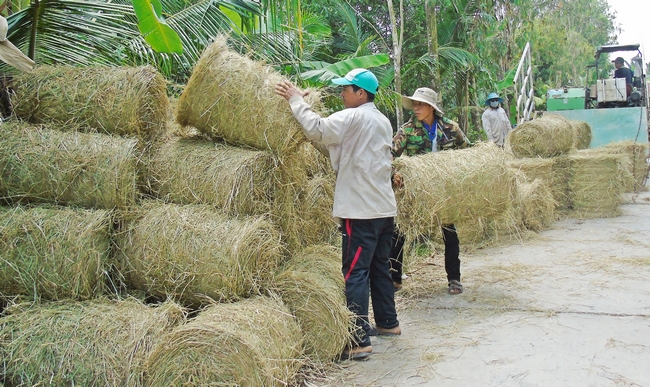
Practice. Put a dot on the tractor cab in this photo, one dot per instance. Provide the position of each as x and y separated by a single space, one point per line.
612 91
615 109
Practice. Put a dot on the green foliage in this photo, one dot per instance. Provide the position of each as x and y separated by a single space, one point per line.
154 28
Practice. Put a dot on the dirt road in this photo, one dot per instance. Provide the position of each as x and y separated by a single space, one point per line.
569 307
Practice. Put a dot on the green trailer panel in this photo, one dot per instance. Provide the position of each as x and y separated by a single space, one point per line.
572 99
612 125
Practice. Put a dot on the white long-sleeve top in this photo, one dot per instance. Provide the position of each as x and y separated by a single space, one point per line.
359 141
496 125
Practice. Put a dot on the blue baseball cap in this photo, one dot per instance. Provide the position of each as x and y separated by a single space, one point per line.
363 78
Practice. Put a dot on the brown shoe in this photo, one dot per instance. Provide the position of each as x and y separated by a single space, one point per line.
388 331
356 353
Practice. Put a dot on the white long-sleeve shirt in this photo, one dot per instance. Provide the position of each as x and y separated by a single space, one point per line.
359 141
496 125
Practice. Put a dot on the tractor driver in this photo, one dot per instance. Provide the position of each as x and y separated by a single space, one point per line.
623 72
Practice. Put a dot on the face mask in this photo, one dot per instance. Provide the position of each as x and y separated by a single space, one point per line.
494 104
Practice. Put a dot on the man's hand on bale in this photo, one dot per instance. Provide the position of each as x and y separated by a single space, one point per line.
287 90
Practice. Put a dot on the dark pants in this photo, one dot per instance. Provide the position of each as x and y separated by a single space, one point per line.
366 245
452 252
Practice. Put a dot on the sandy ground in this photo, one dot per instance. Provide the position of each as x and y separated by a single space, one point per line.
568 307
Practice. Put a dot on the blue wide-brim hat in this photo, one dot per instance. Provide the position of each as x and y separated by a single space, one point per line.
492 96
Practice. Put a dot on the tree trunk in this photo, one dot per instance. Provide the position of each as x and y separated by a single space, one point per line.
432 43
398 38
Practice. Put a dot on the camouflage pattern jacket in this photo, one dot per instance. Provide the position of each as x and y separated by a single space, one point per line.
413 138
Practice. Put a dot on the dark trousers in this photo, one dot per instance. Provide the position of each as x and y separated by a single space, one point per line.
452 253
366 245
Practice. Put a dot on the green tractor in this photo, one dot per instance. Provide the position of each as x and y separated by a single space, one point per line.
615 109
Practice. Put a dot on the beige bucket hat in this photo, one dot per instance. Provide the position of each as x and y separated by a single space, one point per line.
423 94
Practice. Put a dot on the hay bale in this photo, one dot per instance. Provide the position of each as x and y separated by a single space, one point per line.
581 134
196 254
53 253
39 164
637 165
113 100
596 184
250 343
231 97
312 286
451 187
536 203
195 171
548 136
93 343
555 171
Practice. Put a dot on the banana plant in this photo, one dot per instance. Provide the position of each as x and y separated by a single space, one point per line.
160 36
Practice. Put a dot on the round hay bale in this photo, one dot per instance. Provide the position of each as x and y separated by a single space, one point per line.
596 183
40 165
554 171
195 171
638 164
548 136
536 204
231 97
250 343
451 187
581 134
113 100
54 253
311 285
98 342
196 254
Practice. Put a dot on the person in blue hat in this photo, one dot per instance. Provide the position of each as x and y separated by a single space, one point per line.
496 123
358 141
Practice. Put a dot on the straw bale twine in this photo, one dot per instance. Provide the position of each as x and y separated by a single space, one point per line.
53 253
250 343
231 97
596 183
581 134
113 100
312 286
451 187
548 136
195 171
555 171
39 164
92 343
195 253
637 164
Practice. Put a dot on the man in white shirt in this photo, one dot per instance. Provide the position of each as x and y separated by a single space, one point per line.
358 140
495 120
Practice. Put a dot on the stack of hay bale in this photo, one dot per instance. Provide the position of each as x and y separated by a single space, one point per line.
583 182
102 202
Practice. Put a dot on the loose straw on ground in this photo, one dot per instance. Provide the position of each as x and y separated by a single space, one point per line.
92 343
53 253
196 254
197 171
548 136
128 101
40 164
249 343
312 286
231 97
